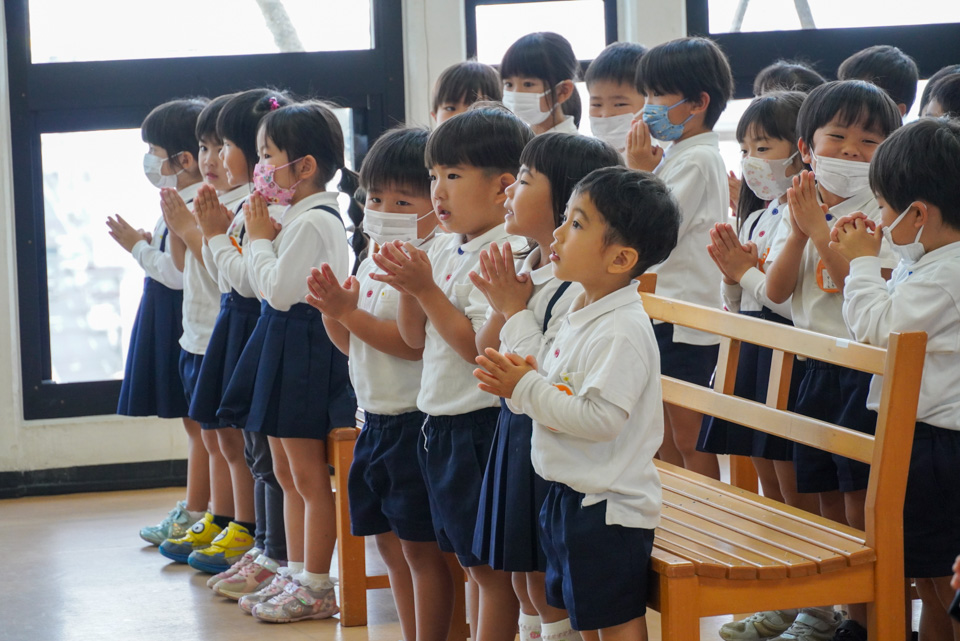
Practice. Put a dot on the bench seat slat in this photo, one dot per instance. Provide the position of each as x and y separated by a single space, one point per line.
705 564
667 564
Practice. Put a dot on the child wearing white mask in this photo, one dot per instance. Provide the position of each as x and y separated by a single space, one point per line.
538 73
614 99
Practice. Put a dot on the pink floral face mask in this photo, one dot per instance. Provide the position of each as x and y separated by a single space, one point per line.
272 192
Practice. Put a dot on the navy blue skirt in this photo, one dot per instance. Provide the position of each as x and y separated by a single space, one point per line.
507 536
235 323
753 373
151 379
290 380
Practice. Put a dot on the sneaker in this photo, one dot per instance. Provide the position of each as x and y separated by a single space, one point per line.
251 578
762 625
808 627
276 586
199 536
298 603
248 557
225 550
850 630
177 523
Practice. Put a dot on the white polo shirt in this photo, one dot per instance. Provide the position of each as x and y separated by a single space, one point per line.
226 254
384 384
923 297
448 387
310 237
597 410
159 264
565 126
697 177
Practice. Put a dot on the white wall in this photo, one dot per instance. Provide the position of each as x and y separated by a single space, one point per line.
433 39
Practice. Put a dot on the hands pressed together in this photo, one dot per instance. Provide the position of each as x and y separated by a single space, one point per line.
732 257
505 290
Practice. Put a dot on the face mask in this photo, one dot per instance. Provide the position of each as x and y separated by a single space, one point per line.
383 227
612 130
845 178
765 177
659 122
526 106
151 167
272 192
910 252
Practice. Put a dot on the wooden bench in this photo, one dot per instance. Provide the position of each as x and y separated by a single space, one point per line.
722 549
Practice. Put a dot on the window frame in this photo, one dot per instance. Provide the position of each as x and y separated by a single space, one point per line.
90 96
825 48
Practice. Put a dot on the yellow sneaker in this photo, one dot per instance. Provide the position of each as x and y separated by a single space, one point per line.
225 550
200 536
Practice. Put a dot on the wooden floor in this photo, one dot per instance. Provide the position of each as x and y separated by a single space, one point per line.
74 569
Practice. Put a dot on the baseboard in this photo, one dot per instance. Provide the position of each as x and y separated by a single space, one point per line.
93 478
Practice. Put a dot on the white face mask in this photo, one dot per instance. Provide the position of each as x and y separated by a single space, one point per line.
612 130
766 178
526 106
910 252
151 167
845 178
383 227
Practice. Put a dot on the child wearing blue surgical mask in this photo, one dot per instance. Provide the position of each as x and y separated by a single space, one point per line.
614 99
538 73
686 85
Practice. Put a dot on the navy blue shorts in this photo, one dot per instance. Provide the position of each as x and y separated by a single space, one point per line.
453 452
189 372
597 572
931 509
387 492
837 395
691 363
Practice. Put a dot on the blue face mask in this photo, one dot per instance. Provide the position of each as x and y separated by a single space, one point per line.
660 126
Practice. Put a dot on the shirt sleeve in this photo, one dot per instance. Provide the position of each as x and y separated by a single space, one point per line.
731 296
588 416
523 334
229 261
158 265
209 263
689 188
476 308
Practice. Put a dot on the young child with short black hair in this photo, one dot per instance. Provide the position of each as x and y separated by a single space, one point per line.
538 72
944 99
614 99
461 85
887 67
920 218
787 75
686 85
597 409
943 72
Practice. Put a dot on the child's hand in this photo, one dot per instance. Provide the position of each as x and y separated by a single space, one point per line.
506 292
328 296
806 212
175 212
731 257
406 268
257 219
212 217
641 153
855 236
734 184
125 235
500 373
955 581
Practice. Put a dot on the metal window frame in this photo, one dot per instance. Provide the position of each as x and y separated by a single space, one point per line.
89 96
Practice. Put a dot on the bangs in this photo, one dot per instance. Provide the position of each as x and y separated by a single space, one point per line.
850 102
773 115
545 55
396 161
488 138
207 122
467 82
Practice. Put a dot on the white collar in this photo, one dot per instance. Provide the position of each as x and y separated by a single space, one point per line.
190 192
236 194
565 126
328 198
623 296
481 241
537 276
707 138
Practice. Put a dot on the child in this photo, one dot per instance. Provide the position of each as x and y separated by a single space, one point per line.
887 67
920 220
290 383
388 498
472 159
526 313
538 72
597 407
787 75
248 453
944 98
949 70
686 85
151 381
461 85
614 99
839 127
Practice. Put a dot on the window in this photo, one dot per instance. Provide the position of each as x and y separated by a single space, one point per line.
76 107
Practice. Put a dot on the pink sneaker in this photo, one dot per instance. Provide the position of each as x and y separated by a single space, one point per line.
244 561
298 603
276 586
251 578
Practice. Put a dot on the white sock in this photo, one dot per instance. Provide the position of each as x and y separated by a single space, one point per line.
296 567
559 631
314 580
196 515
529 627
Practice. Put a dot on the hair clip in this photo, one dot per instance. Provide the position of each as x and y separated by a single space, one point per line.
273 103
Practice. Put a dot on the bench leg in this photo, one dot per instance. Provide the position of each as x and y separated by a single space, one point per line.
887 615
351 552
679 616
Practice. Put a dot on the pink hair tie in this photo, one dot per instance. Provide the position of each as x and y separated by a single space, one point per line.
274 104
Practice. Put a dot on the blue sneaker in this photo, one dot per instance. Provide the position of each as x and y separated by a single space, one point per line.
198 537
177 524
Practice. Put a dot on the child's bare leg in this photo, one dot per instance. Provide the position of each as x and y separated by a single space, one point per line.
292 501
832 506
231 445
499 608
473 603
519 580
633 630
308 466
198 468
854 511
787 477
401 583
221 490
537 589
945 595
767 474
685 429
432 589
